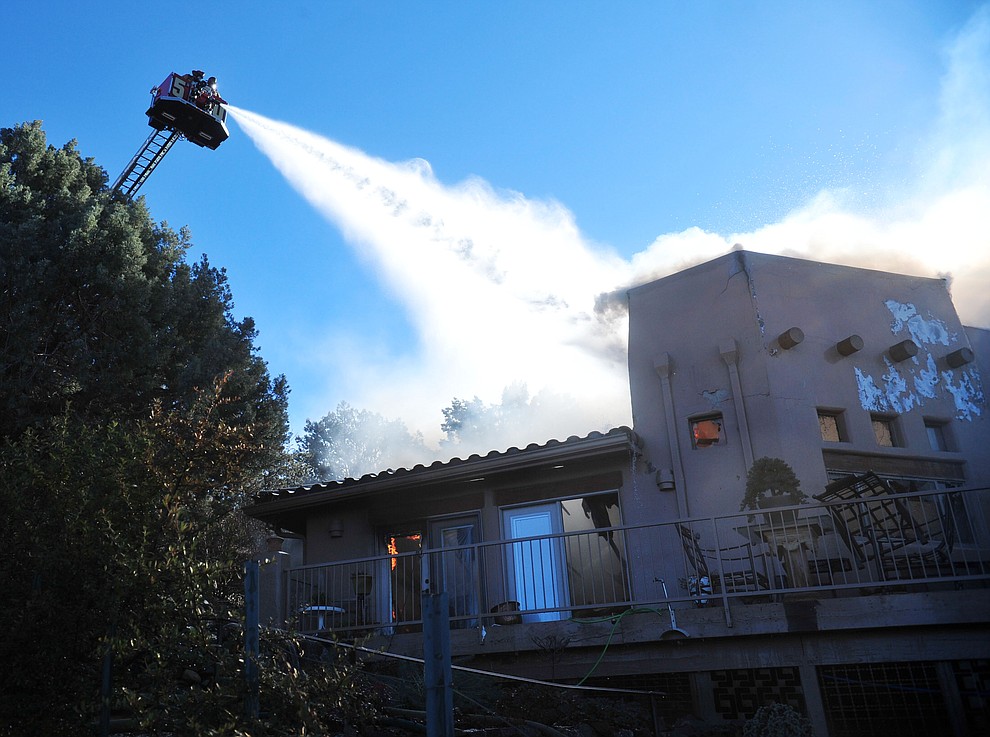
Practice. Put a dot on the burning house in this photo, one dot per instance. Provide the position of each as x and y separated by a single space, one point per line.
860 596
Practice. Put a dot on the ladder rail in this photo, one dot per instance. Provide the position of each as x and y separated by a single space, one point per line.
145 160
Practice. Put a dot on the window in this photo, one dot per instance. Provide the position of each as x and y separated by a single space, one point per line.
884 431
937 435
707 431
832 426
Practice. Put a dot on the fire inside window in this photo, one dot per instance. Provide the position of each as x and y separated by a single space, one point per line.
403 544
405 579
707 431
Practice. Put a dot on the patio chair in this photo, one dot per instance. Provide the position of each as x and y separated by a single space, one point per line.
739 570
906 537
929 533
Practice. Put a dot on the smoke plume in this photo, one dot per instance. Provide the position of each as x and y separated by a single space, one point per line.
505 290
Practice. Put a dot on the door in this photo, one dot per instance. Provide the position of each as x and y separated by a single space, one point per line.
455 568
535 568
405 579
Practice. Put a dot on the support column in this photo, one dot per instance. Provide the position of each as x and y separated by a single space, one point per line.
662 366
251 638
703 695
813 698
953 699
437 673
271 589
730 354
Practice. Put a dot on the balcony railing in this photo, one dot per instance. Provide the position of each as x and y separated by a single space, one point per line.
920 540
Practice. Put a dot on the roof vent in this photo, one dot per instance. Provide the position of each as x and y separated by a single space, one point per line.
850 345
960 357
904 350
790 338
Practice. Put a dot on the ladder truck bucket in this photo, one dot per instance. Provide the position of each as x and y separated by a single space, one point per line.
182 106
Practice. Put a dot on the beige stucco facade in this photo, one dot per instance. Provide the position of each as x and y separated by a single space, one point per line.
718 340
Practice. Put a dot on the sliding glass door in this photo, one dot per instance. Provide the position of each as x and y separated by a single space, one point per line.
535 568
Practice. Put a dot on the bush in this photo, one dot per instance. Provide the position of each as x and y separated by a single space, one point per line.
777 720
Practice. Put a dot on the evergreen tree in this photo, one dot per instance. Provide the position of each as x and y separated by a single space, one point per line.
115 543
134 415
349 442
99 311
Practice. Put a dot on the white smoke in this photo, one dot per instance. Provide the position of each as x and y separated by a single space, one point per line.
934 222
502 289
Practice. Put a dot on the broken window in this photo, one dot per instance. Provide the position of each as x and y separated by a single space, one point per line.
831 426
884 431
707 431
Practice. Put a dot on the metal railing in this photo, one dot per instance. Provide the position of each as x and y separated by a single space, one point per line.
913 540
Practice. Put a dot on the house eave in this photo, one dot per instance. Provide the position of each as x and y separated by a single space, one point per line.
620 442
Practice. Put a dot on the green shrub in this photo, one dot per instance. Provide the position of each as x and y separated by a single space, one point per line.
777 720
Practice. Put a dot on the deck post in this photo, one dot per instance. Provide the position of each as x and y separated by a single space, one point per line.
251 633
438 676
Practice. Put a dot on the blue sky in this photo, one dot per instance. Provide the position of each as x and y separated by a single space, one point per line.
624 140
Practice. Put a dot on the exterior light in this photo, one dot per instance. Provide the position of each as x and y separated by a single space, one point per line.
790 338
850 345
959 358
904 350
336 527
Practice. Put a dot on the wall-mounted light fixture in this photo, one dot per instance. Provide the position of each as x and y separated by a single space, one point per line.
336 527
904 350
790 338
849 345
665 479
959 358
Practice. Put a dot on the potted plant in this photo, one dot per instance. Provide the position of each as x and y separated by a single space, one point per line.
771 483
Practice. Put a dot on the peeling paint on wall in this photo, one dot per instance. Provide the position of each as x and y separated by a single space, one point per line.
896 389
715 398
907 385
871 397
967 393
923 332
741 265
926 382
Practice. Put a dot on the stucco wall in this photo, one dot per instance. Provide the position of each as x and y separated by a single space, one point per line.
751 299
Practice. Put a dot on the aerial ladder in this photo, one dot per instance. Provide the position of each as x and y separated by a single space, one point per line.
183 106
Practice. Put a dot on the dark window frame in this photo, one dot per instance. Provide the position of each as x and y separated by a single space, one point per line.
889 422
700 428
939 435
838 418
